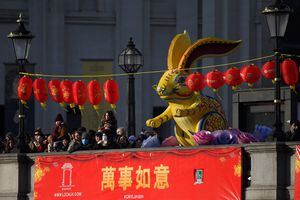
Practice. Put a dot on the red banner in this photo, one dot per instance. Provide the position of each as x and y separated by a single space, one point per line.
165 174
297 173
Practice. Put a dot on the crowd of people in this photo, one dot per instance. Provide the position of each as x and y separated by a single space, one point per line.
108 136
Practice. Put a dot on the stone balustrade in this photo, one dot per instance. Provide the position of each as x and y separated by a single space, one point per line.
268 172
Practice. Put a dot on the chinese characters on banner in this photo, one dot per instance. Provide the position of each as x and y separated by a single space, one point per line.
164 174
297 173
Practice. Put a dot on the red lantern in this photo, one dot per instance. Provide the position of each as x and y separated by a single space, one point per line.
24 89
195 82
214 80
79 93
67 91
289 73
55 92
111 92
232 77
40 91
268 70
250 74
95 93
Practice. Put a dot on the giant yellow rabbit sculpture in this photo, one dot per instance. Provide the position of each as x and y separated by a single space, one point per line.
190 111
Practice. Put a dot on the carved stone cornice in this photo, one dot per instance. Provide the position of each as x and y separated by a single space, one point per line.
90 18
11 15
13 158
265 147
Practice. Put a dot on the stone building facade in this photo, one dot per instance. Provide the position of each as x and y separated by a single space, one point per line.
86 36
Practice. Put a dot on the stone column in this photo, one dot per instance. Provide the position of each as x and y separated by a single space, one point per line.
269 171
14 177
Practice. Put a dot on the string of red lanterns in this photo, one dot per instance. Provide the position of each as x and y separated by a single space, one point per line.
65 92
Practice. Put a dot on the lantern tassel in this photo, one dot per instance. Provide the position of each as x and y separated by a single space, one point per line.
273 81
72 106
235 87
215 90
63 105
96 108
293 88
250 85
24 103
113 106
81 107
43 105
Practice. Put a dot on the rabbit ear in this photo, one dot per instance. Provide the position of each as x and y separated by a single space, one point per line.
178 46
205 48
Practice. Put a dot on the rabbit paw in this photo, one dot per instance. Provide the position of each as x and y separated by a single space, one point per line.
154 123
181 113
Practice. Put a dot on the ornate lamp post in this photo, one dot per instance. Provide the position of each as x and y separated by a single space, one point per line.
130 61
277 16
21 40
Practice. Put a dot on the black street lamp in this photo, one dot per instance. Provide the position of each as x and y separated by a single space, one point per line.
130 61
21 40
277 16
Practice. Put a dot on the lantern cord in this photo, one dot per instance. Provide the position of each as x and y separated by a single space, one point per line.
145 72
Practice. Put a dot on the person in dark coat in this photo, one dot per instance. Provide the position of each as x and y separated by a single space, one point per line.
294 133
99 142
85 143
121 139
59 121
9 143
75 143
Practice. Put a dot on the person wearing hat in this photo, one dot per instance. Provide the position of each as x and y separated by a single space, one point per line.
294 133
60 128
132 140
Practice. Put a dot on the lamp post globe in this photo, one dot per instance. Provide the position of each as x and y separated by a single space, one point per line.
130 61
21 40
277 16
